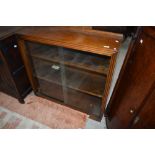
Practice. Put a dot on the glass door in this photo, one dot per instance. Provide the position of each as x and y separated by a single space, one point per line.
84 76
75 77
46 69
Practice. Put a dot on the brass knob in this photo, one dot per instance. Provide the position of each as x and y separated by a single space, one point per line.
131 111
141 41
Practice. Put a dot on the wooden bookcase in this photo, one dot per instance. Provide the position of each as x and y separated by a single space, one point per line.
71 66
13 78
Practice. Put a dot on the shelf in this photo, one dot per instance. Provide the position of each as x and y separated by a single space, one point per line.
81 81
75 99
86 82
72 58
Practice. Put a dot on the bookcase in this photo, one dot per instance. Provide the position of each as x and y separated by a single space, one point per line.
72 67
13 78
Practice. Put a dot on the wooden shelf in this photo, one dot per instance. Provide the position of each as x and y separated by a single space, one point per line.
72 58
82 81
75 99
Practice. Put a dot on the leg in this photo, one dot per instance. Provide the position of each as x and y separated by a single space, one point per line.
21 100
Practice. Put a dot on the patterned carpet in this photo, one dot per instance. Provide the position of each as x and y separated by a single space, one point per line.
38 113
12 120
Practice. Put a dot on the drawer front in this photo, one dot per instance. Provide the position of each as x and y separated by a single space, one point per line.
11 53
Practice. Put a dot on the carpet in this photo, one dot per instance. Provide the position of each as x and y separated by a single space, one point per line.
46 112
12 120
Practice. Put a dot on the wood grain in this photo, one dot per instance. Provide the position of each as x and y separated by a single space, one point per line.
98 44
134 83
87 41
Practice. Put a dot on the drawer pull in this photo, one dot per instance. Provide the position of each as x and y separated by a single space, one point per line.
141 41
131 111
55 67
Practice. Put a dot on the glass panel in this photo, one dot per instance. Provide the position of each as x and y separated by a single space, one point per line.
85 77
75 77
86 61
45 70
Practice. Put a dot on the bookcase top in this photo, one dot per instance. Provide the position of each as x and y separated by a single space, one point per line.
103 43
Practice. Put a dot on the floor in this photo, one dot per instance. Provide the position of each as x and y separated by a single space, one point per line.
13 120
38 109
90 124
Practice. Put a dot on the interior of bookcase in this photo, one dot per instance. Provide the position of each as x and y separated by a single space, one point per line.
77 77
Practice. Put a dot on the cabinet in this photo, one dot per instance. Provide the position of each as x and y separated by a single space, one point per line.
132 102
145 119
125 30
13 77
70 67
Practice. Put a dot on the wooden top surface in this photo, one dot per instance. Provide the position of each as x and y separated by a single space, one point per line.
103 43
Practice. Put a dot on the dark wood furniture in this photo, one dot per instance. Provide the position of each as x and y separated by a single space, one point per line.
125 30
13 77
133 101
145 119
72 66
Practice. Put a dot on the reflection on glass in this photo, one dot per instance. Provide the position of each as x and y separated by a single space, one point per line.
75 77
